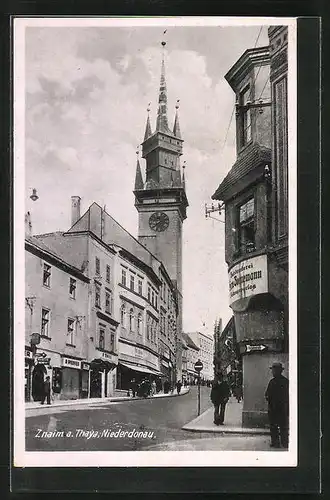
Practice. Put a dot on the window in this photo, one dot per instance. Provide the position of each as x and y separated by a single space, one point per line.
131 320
45 319
123 277
71 331
156 302
108 302
131 283
140 287
47 271
123 315
152 298
245 116
149 293
246 231
97 296
139 324
112 340
97 265
72 288
108 273
148 327
101 338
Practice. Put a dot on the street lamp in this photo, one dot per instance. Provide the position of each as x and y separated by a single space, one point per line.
34 196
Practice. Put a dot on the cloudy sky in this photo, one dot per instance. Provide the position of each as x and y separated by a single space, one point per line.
87 91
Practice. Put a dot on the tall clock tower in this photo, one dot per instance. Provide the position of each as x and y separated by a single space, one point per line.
161 199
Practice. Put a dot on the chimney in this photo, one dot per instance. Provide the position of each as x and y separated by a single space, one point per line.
28 224
75 209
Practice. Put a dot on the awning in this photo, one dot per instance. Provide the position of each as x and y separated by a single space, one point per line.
140 369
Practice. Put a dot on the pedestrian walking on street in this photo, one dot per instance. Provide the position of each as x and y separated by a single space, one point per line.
133 387
277 395
46 391
153 388
178 386
220 394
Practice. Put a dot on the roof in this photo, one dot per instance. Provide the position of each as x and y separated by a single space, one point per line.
190 343
110 232
246 162
52 255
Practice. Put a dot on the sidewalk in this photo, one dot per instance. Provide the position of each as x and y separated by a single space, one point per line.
92 401
232 424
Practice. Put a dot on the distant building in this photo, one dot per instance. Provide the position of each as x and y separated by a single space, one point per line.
206 352
255 194
227 358
192 356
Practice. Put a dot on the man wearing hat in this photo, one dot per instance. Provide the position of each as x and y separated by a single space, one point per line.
277 395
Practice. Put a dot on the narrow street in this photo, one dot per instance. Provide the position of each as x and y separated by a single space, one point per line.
66 428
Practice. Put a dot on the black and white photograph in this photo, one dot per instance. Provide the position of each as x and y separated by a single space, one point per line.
155 285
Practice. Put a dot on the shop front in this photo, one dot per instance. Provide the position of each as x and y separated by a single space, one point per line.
40 368
102 377
138 363
260 332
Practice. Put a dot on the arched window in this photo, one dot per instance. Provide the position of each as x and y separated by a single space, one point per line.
123 315
139 324
131 320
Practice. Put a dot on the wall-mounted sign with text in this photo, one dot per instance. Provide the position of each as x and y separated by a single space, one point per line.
71 363
249 277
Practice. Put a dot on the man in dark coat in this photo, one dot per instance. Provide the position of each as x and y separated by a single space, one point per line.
220 394
178 386
46 392
277 395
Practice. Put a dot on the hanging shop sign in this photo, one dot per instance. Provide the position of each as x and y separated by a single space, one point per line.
71 363
248 278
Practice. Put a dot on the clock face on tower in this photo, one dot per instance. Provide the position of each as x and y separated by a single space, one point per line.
158 221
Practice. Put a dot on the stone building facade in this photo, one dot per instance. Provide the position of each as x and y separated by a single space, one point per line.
254 193
56 297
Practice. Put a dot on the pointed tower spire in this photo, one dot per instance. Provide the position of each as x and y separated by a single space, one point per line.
148 131
162 122
176 128
138 175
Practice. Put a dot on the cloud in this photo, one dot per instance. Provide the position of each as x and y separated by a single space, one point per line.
87 93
